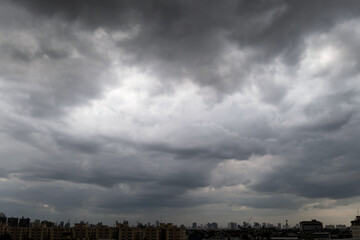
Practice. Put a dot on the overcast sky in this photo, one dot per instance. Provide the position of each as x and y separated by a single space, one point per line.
182 110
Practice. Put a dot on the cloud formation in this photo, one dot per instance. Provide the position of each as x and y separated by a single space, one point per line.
137 109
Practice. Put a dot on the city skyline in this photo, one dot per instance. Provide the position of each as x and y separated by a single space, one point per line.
192 111
26 221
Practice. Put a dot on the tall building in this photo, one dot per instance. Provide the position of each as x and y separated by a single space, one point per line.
37 222
39 232
309 226
3 218
81 231
163 232
171 232
19 233
232 225
13 221
340 226
151 233
330 227
194 225
104 232
24 222
355 227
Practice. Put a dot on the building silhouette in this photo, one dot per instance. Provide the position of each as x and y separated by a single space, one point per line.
355 227
310 226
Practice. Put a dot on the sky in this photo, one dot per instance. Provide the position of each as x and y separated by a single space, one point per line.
185 111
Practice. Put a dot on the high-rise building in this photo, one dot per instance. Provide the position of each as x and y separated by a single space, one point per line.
61 224
232 225
214 225
194 225
163 232
330 226
340 226
24 222
312 225
67 225
3 218
13 221
81 231
39 232
355 227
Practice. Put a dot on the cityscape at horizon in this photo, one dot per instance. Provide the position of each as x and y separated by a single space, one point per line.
24 229
180 110
240 223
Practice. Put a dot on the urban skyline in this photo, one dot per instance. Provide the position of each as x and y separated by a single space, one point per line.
240 223
191 111
25 229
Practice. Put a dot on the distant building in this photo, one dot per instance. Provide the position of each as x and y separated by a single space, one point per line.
163 232
13 221
17 232
214 225
39 232
24 222
232 225
194 225
47 223
330 226
341 226
61 224
67 225
310 226
269 225
3 218
355 227
36 222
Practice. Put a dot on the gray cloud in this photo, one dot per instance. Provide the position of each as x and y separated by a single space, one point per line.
187 39
145 106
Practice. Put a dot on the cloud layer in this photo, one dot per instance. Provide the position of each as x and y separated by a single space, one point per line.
154 109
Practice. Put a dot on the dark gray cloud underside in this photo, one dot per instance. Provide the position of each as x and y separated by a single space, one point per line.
275 94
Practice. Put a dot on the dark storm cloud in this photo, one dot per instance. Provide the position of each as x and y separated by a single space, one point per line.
333 111
25 56
231 148
250 58
47 66
169 197
319 165
78 145
186 39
